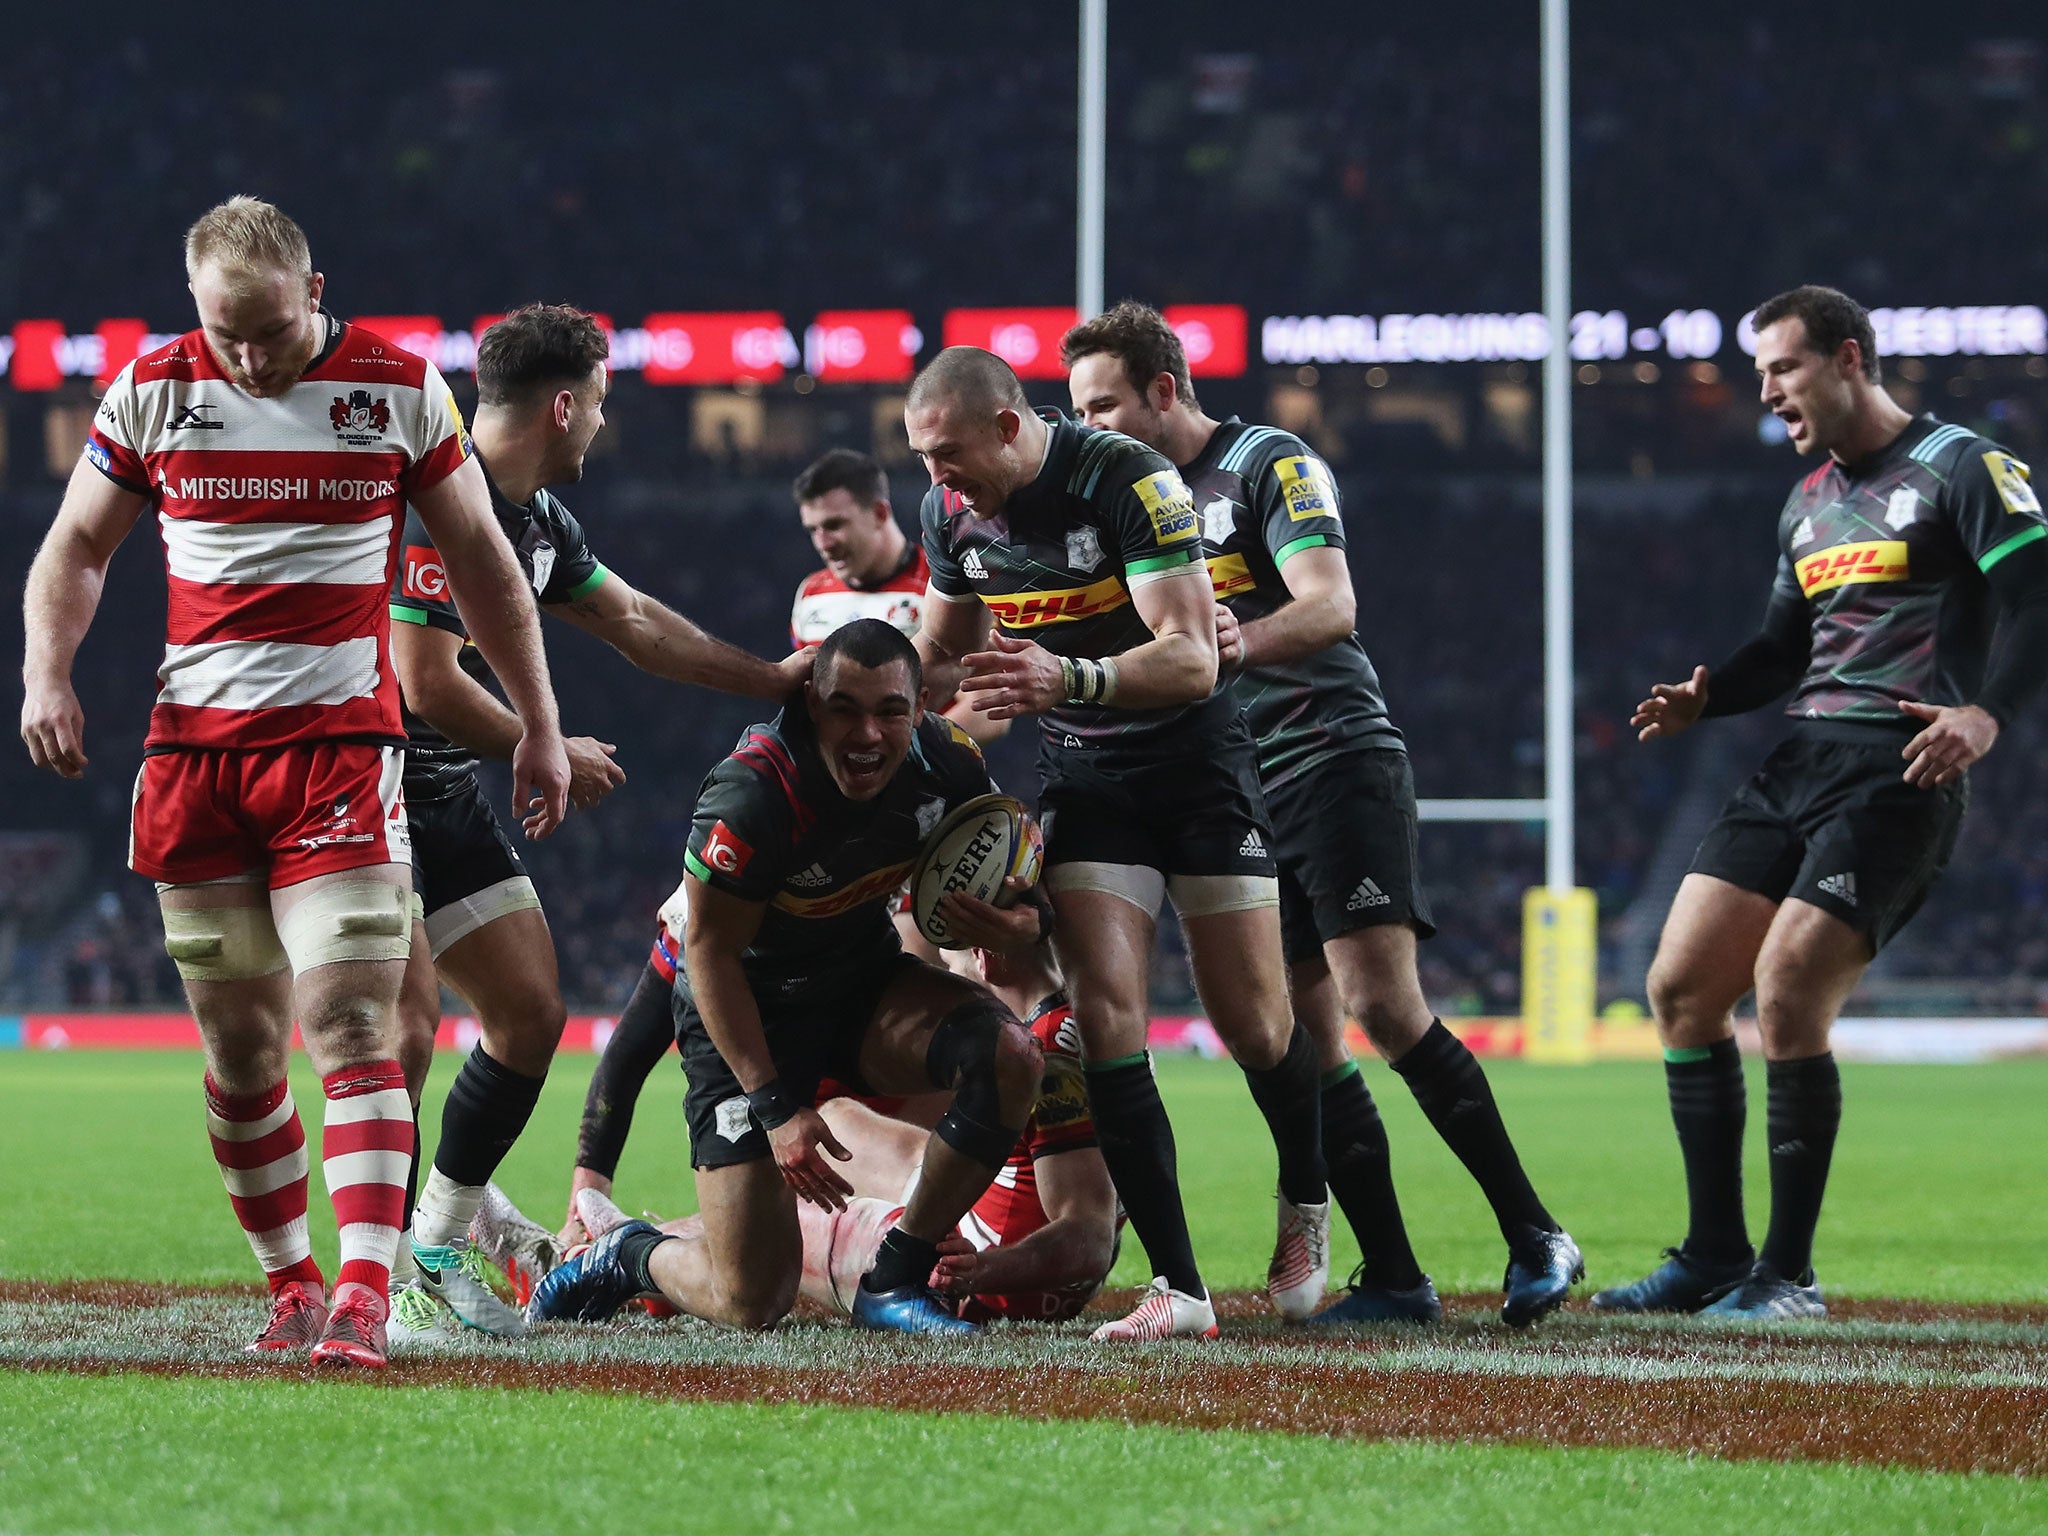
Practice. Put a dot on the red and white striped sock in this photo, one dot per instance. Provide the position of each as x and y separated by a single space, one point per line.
261 1148
367 1152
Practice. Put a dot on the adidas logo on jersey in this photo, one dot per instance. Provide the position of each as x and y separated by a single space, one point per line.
971 566
1803 534
1841 887
1253 846
1367 895
810 879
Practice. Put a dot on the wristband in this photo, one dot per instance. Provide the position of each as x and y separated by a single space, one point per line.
772 1104
1108 693
1086 681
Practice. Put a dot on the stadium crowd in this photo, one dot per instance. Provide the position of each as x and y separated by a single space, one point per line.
1355 171
1447 591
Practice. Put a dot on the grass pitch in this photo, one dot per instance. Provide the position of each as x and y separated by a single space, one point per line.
1935 1196
1935 1192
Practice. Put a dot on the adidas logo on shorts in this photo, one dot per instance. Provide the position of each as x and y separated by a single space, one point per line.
1253 846
972 568
1841 887
1367 895
810 879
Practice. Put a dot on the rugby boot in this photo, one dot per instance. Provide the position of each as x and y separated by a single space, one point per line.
590 1286
354 1334
417 1313
298 1311
1300 1268
1767 1297
1541 1269
1163 1313
906 1309
458 1274
1680 1284
524 1249
1380 1304
598 1212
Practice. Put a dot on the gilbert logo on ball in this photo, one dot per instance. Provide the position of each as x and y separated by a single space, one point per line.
975 850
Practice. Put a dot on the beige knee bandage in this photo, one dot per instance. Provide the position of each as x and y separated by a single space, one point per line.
349 920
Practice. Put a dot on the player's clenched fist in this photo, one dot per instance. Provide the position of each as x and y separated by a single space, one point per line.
1671 707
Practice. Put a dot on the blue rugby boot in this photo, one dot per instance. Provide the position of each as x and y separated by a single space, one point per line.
906 1309
1541 1269
1768 1297
1681 1283
1378 1304
593 1285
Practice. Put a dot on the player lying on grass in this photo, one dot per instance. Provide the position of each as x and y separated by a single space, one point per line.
792 972
1035 1248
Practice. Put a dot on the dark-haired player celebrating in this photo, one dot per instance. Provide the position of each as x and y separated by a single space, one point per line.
793 973
1893 554
1083 549
541 384
1338 787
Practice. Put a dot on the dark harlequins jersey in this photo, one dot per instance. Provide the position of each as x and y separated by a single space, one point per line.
1263 496
556 560
1058 564
1890 557
771 826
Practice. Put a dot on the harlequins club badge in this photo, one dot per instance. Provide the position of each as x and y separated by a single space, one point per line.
359 421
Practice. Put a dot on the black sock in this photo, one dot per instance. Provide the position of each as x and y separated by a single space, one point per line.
901 1260
1362 1180
642 1036
636 1253
488 1106
1805 1111
1286 1094
1709 1107
1136 1140
1451 1087
412 1173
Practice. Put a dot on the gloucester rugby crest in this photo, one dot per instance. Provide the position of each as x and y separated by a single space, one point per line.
358 420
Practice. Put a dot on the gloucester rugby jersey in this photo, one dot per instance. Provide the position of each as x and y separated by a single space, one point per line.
1889 556
555 558
1058 564
1263 497
280 523
1010 1211
825 603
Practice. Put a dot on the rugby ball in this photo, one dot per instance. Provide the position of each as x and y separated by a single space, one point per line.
975 850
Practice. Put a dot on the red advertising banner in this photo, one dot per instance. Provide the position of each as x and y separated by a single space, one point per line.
35 365
120 345
1214 336
724 348
862 346
1027 339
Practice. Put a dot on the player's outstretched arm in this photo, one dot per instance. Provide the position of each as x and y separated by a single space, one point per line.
1323 609
1075 1247
497 608
716 933
63 594
951 628
660 641
429 666
1670 708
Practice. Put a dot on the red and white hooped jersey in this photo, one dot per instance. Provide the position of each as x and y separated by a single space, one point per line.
280 521
1010 1210
824 602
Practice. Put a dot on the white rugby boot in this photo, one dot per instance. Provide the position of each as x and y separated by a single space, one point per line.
1300 1270
1164 1313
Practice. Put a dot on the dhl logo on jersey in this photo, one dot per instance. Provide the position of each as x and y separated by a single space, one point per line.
1844 564
834 903
2009 478
1228 574
1021 610
1170 505
1305 486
